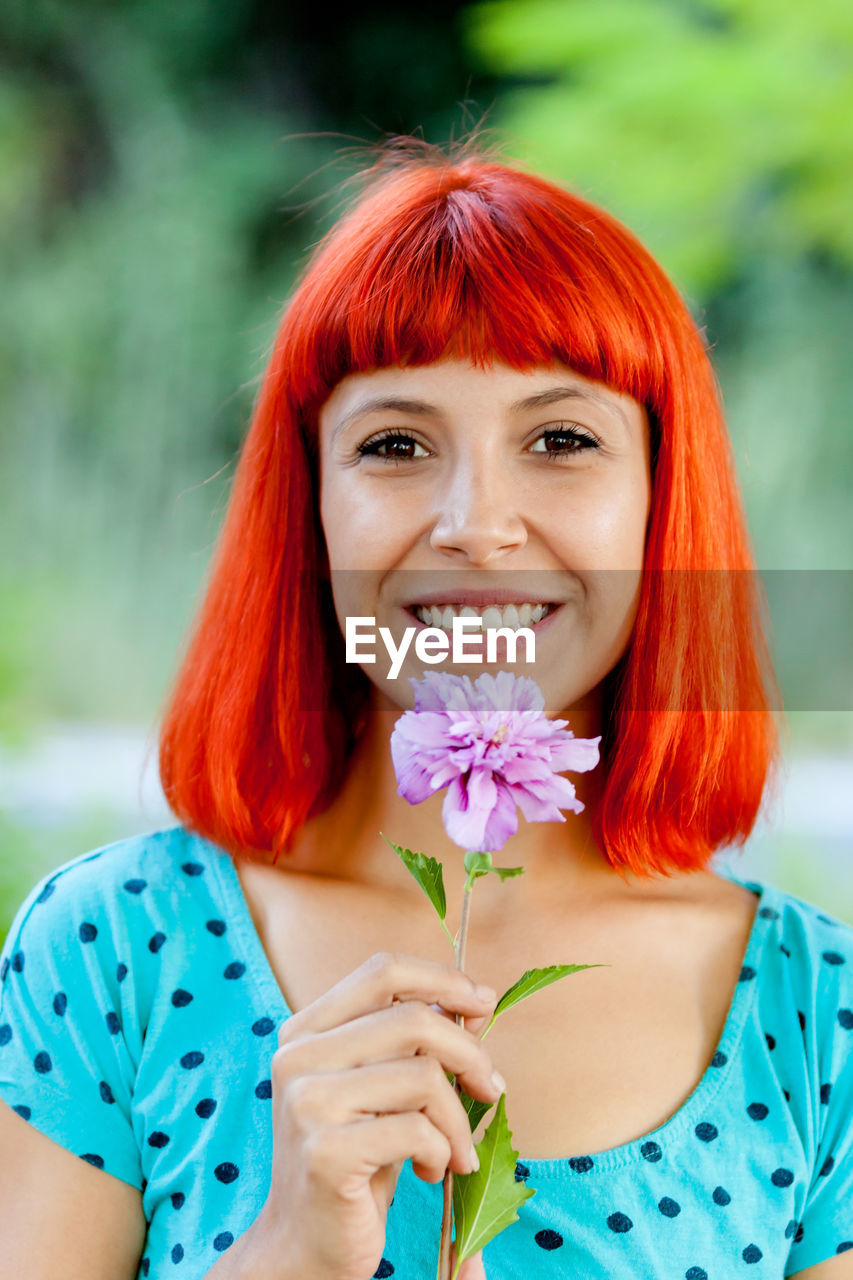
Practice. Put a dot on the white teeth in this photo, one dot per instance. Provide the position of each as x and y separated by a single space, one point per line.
493 616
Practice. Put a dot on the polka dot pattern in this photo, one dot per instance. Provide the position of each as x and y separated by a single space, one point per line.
183 995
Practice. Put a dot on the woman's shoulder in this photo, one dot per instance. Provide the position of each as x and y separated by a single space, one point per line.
802 962
115 890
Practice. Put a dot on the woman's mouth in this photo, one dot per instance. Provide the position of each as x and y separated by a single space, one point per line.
493 616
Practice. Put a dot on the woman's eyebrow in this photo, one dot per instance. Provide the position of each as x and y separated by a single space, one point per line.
383 404
555 394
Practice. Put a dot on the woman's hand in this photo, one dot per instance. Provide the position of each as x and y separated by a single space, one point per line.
359 1086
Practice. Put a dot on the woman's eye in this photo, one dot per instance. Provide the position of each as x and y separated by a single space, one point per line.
392 446
559 442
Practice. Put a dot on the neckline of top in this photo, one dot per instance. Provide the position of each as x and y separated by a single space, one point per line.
648 1146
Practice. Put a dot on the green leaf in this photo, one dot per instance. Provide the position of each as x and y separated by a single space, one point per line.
474 1108
480 864
531 982
485 1202
427 871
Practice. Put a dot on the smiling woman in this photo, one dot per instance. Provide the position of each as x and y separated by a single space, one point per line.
486 405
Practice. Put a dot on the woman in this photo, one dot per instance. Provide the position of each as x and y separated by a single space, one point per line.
484 393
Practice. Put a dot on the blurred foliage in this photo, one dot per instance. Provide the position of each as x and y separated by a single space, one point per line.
713 127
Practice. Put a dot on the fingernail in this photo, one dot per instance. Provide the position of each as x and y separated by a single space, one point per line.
487 994
498 1082
474 1158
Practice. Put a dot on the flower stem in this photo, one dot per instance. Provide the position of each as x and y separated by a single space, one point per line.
444 1261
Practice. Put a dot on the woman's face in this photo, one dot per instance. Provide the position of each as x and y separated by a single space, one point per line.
448 486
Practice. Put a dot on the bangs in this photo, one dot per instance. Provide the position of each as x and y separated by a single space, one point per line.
439 264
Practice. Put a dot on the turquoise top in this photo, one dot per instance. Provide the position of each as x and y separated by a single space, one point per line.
138 1018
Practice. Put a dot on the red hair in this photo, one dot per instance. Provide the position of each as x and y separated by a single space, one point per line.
472 257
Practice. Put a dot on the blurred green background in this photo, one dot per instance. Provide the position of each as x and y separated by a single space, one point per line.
164 169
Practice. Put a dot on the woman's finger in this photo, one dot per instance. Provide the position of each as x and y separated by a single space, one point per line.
414 1084
382 980
406 1029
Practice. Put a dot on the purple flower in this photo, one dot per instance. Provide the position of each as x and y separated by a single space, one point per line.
493 748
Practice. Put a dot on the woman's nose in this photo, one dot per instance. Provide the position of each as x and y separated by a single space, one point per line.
479 516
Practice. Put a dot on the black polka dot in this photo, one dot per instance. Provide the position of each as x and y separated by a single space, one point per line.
42 1063
226 1172
234 970
548 1239
706 1132
181 998
771 1041
784 950
719 1059
844 1246
845 1018
791 1228
177 1198
580 1164
669 1208
263 1089
90 1158
383 1270
747 973
752 1253
521 1171
121 973
224 1241
768 913
827 1167
619 1222
787 1095
146 1266
158 1139
87 931
193 1059
216 927
781 1177
798 1237
828 920
47 892
177 1254
801 1017
18 962
205 1109
106 1092
696 1273
23 1112
832 957
60 1003
263 1026
156 942
113 1024
825 1093
192 868
135 886
5 1034
651 1151
757 1111
4 969
721 1196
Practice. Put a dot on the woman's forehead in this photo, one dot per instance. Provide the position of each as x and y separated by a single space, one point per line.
440 384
